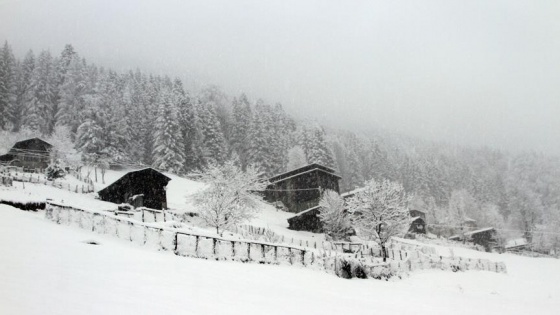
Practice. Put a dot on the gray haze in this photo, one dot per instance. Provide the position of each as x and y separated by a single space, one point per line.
470 72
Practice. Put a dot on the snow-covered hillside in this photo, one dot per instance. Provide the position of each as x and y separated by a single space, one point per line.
49 269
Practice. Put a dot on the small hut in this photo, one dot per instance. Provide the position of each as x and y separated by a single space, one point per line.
31 154
418 224
148 183
307 220
300 189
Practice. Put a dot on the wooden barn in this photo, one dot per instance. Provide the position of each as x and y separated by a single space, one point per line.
146 182
31 154
300 189
307 220
418 224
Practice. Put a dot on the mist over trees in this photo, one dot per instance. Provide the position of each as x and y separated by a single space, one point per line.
137 118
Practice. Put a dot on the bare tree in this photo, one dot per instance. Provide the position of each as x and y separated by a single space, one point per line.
380 212
230 197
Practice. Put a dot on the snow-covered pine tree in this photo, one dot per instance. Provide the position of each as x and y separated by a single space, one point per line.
8 88
39 115
214 143
296 158
259 154
333 215
317 147
168 152
71 94
241 125
380 212
24 75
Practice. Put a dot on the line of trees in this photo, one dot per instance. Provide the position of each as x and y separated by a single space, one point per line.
140 118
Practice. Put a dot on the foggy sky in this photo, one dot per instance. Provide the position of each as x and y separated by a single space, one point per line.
472 72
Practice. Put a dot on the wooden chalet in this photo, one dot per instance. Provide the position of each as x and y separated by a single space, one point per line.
31 154
418 224
148 183
300 189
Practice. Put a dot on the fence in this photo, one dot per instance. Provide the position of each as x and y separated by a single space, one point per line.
184 243
84 189
5 180
210 247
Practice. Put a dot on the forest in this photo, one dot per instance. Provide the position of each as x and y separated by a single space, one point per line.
98 116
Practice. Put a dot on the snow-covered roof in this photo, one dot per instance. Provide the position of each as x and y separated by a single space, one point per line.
304 211
516 242
469 220
352 192
479 231
415 218
298 174
303 170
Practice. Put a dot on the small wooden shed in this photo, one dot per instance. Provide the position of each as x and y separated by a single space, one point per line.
418 224
300 189
147 182
31 154
307 220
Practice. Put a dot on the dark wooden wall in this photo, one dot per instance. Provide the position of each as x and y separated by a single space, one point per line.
299 193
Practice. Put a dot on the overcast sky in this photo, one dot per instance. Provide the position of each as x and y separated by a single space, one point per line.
472 72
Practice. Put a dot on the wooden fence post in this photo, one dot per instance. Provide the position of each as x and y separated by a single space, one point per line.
233 249
196 246
290 255
176 244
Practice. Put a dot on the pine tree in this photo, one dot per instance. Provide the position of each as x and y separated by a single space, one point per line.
40 115
296 158
23 94
214 143
241 126
8 88
168 152
71 94
259 150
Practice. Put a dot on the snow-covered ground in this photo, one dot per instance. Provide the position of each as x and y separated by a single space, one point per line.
31 192
49 269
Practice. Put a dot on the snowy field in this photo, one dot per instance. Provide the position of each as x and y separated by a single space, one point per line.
49 269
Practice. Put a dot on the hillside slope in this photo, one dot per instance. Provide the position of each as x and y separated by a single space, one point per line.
48 269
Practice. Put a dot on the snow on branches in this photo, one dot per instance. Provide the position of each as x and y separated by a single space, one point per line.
333 215
230 197
380 212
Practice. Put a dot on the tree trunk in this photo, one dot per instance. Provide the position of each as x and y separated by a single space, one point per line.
384 252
